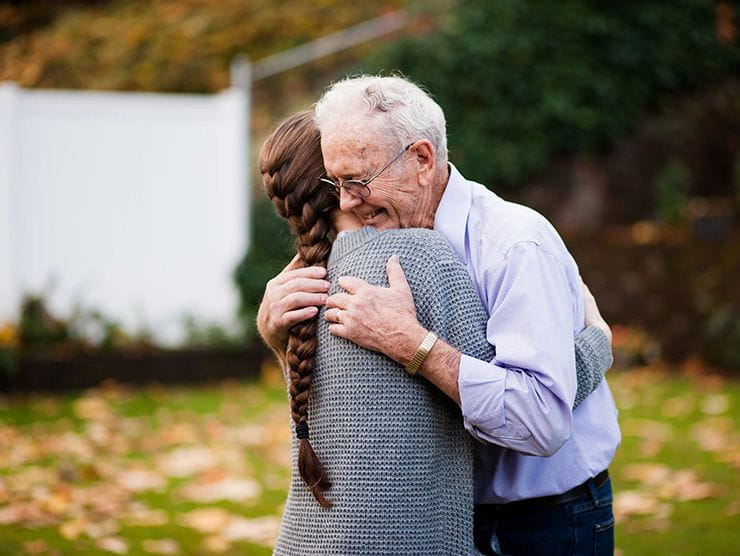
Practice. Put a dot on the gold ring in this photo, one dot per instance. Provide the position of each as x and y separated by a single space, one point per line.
336 317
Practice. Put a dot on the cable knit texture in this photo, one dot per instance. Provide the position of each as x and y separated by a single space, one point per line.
393 445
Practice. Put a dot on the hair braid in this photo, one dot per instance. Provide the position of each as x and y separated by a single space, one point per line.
291 163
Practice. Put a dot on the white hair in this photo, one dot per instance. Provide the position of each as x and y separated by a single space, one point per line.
396 105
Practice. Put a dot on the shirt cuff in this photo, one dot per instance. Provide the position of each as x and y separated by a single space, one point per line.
482 385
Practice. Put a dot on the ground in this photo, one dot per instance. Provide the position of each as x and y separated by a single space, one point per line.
197 470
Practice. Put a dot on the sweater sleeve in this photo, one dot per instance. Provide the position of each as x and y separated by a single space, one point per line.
593 359
448 305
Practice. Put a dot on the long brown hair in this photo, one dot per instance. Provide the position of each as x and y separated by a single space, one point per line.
291 165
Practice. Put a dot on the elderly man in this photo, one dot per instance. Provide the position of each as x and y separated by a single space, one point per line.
541 468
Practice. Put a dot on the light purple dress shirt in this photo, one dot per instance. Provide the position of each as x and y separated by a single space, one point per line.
520 404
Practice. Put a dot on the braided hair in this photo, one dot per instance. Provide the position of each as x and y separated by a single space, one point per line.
291 164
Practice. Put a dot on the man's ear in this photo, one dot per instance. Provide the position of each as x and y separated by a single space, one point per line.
426 160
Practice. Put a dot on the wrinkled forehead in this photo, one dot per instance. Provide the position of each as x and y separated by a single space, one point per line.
349 148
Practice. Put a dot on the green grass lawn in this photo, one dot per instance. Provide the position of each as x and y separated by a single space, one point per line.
201 470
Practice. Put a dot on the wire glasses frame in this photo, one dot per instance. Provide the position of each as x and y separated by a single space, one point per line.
361 188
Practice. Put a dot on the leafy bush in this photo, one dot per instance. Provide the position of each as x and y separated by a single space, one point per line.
168 45
524 82
270 250
722 331
672 192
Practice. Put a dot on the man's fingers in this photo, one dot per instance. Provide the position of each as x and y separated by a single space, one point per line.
351 284
396 276
338 330
338 300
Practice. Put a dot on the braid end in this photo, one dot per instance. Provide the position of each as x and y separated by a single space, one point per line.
313 473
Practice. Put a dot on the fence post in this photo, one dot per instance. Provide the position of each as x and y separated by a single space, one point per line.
9 93
241 80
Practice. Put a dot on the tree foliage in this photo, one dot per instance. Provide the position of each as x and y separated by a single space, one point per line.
524 82
271 248
167 45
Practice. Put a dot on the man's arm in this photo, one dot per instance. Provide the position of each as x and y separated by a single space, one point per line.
522 399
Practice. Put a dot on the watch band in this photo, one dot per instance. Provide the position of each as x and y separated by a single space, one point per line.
421 353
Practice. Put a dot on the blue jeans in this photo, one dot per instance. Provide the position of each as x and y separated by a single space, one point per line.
580 527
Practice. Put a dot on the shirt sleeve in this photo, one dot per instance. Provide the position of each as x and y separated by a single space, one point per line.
522 399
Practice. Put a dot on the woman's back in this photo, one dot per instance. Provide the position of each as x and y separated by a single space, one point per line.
393 445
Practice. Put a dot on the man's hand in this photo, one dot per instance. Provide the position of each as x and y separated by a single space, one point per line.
380 319
292 296
593 316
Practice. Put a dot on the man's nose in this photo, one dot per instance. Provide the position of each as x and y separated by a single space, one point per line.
347 201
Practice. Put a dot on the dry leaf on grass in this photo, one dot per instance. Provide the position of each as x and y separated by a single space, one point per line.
261 530
160 546
57 501
206 520
632 502
684 486
731 456
36 547
91 408
680 406
138 514
187 461
248 435
646 473
715 434
715 404
141 480
171 435
216 544
236 490
113 544
647 429
29 477
653 434
100 529
73 528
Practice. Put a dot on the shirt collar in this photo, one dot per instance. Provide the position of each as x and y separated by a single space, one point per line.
451 217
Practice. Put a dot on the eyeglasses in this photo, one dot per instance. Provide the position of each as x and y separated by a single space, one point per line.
361 188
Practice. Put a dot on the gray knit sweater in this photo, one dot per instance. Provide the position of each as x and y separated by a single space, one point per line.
393 445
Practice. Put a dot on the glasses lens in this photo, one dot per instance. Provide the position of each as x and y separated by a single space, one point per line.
357 188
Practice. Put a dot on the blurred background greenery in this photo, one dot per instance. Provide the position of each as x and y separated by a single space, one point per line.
620 123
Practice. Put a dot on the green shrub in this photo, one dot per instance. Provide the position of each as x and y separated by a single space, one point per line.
523 82
271 249
672 192
722 331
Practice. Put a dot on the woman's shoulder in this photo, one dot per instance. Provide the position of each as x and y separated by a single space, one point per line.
407 242
419 241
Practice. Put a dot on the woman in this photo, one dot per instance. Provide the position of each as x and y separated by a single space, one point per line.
395 468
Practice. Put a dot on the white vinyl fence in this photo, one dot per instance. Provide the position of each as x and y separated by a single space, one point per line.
132 203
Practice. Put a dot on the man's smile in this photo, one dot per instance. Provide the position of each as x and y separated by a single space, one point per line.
370 215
